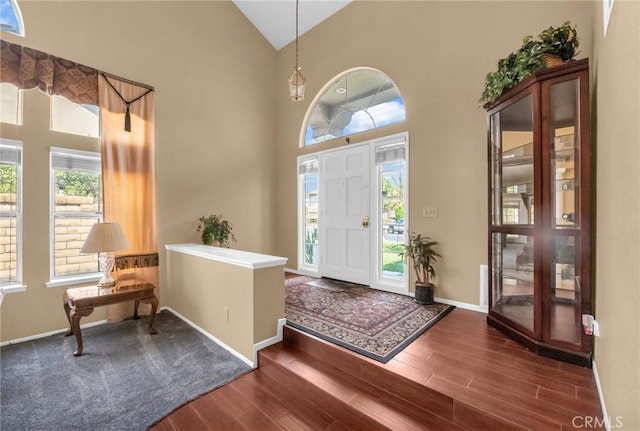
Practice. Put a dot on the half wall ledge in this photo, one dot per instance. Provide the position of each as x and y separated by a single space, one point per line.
235 296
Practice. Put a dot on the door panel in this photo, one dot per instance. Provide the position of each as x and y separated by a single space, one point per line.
344 201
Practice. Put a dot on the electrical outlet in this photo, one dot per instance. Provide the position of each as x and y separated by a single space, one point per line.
226 313
596 328
430 212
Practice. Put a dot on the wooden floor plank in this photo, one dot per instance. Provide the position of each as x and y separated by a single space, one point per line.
291 398
186 419
486 374
163 425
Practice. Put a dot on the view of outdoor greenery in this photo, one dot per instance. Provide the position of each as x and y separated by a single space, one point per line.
8 223
78 183
392 218
8 177
311 219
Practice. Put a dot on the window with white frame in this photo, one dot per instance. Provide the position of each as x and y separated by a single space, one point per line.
391 164
76 204
74 118
308 171
10 212
10 104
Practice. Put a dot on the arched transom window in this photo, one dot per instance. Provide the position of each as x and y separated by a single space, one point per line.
356 100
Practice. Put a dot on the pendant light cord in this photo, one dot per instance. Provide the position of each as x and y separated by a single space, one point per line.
297 1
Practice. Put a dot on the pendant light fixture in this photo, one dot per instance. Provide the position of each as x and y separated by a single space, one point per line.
297 83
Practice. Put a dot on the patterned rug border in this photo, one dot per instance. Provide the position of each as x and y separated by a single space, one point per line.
380 358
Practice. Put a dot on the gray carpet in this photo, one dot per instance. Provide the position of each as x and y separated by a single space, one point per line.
126 379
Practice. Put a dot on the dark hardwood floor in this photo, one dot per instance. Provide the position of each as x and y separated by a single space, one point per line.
461 374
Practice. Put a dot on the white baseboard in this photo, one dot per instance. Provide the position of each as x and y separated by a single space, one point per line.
269 341
605 416
50 333
464 305
303 272
212 338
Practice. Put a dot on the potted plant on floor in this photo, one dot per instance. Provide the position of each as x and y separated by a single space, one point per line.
216 231
420 249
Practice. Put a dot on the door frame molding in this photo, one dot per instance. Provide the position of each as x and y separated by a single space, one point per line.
375 279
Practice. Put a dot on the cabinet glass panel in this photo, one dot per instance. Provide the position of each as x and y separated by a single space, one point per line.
512 173
565 291
512 284
564 154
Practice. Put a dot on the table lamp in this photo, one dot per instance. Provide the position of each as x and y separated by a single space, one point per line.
105 238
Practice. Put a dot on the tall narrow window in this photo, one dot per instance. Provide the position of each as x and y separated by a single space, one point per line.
76 204
74 118
391 163
10 104
10 212
308 170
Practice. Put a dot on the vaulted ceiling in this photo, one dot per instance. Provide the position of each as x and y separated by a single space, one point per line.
276 19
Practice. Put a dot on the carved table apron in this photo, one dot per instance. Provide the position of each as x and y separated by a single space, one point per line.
80 302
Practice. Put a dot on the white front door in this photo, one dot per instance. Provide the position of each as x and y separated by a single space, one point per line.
344 214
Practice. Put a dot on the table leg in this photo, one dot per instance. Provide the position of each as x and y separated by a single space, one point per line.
74 318
154 307
136 304
67 310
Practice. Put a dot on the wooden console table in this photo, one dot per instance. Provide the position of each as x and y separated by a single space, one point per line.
80 302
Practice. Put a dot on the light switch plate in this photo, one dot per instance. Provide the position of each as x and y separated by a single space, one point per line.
430 212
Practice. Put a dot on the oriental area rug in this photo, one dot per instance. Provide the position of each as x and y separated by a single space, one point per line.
373 323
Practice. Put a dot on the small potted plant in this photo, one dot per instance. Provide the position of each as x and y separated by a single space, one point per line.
422 254
216 231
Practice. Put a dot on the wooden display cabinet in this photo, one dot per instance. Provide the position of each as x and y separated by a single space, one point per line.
539 212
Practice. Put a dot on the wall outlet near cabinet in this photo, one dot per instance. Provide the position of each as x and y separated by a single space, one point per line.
430 212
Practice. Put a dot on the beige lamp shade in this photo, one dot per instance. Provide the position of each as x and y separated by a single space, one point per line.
105 237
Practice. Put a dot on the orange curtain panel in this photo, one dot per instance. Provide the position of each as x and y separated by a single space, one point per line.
128 173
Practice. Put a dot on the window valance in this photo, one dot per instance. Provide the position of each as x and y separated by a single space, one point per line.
28 68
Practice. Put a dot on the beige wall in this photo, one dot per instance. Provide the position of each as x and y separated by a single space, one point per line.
617 132
214 77
438 54
203 289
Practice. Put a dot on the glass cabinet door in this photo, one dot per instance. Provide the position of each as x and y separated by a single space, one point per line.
513 277
564 152
512 164
566 290
513 201
564 283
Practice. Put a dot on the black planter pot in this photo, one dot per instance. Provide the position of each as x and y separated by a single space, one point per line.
424 294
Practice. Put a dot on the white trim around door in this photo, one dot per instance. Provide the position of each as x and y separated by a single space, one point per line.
388 209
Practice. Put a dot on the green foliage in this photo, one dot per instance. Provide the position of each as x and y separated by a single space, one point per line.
390 261
561 41
8 179
216 231
310 239
392 198
77 183
422 254
519 65
399 212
